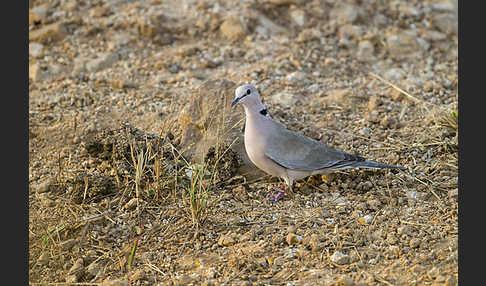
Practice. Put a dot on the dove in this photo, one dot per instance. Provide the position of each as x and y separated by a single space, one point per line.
284 153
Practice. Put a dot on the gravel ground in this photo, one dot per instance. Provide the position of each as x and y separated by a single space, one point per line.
108 81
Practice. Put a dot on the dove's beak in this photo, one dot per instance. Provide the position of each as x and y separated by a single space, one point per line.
235 101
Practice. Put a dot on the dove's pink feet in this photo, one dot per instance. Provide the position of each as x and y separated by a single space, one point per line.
277 194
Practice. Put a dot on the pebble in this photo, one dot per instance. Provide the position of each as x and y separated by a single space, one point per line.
225 240
49 33
285 98
298 16
43 259
402 44
366 51
292 239
131 204
340 258
233 28
36 50
94 268
114 283
104 61
391 238
374 102
414 242
367 219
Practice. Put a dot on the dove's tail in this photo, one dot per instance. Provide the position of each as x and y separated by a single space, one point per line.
376 165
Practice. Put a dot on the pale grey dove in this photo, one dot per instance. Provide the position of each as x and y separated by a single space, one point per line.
289 155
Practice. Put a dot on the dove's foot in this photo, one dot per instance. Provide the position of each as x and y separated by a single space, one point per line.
279 193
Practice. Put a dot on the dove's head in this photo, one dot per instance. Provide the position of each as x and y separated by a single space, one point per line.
246 94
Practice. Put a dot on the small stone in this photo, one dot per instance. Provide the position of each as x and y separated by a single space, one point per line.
365 51
73 278
68 244
131 205
277 239
45 186
450 281
122 83
225 240
36 50
402 44
138 275
391 238
285 98
446 23
374 102
94 268
340 258
298 16
414 242
345 280
43 259
38 14
292 239
233 28
367 219
114 283
49 33
314 243
338 95
104 61
344 13
397 95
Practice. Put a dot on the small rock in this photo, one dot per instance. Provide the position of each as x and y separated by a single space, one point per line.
338 95
43 259
45 186
345 280
282 2
394 74
309 35
298 16
374 102
138 275
225 240
403 44
68 244
344 13
104 61
285 98
114 283
367 219
38 14
94 268
36 50
365 51
391 238
351 31
73 278
340 258
131 205
414 242
450 281
122 83
292 239
49 33
296 76
233 28
397 95
446 23
277 239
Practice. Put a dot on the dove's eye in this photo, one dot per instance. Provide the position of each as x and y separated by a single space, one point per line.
248 91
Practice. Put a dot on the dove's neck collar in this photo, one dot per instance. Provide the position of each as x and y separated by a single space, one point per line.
264 112
257 108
